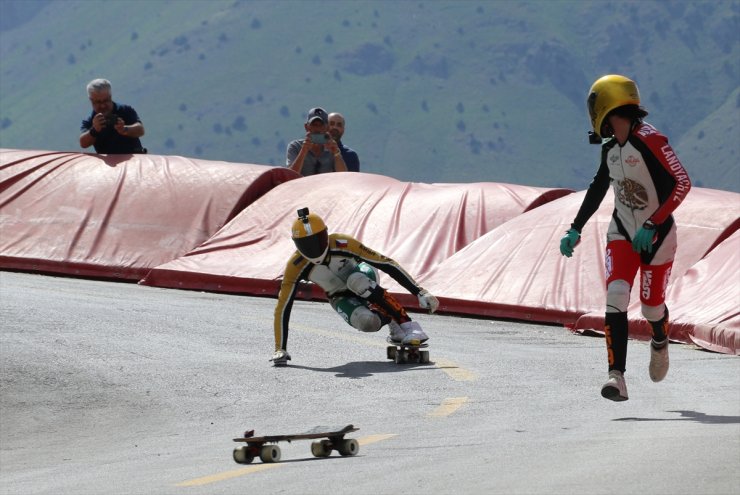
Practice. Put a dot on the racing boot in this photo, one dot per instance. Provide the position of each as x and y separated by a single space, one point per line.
414 334
658 368
280 358
615 387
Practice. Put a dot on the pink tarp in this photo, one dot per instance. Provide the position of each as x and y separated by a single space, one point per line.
484 249
117 216
419 225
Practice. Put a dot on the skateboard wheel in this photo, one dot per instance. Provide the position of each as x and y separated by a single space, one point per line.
390 351
349 447
400 357
270 453
242 456
321 449
424 357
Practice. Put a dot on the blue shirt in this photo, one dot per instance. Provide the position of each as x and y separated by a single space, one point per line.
108 140
350 157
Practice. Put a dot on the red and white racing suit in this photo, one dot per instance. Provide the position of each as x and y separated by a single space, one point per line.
649 183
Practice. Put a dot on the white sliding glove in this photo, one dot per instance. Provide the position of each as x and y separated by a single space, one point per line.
428 301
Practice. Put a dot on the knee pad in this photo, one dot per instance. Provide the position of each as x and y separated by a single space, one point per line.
365 320
360 284
617 296
653 313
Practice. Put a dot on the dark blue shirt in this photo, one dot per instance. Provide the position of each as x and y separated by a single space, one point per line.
350 158
108 140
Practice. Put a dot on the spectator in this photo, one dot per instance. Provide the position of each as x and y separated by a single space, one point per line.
336 129
111 128
317 153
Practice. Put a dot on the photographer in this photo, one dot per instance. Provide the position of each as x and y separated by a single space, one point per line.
317 153
111 128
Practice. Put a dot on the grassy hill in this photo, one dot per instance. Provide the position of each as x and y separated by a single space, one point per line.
433 91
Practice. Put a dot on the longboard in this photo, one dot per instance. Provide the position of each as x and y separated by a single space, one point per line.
265 447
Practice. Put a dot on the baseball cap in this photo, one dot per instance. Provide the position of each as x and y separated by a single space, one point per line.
317 113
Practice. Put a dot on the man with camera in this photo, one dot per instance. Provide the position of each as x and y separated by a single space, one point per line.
336 129
317 153
111 128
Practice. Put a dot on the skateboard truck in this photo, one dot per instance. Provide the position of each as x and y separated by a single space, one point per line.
407 353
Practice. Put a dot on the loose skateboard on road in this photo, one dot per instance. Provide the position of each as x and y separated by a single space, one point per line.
407 353
265 447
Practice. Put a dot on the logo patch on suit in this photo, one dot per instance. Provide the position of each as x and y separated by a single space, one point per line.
633 194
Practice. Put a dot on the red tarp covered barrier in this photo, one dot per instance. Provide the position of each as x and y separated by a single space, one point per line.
419 225
485 249
117 216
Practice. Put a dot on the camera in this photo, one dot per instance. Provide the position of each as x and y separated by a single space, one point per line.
319 137
111 119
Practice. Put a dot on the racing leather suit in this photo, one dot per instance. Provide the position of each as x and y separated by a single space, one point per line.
343 257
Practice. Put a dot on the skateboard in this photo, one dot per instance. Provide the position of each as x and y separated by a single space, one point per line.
407 353
267 450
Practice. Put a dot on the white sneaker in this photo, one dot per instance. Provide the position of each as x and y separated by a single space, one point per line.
414 334
658 368
397 333
280 358
615 387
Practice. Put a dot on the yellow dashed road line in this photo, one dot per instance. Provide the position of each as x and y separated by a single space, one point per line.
235 473
448 407
454 371
205 480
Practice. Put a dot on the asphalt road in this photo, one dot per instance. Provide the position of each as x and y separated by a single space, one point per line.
122 389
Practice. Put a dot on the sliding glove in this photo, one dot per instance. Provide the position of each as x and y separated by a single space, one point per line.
568 242
643 240
428 301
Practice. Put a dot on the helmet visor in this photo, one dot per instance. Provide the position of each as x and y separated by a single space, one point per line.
313 246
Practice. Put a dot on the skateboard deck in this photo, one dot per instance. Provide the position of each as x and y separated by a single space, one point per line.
407 353
265 448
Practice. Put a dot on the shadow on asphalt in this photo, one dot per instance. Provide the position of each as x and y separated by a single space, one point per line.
364 369
698 417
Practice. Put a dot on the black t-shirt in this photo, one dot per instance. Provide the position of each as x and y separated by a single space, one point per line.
108 140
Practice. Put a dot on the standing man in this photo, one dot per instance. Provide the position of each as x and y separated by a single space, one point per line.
317 153
111 127
336 129
649 184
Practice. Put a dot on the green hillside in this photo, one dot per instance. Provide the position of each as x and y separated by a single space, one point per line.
433 91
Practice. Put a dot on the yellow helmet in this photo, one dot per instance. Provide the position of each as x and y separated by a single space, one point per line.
606 94
310 236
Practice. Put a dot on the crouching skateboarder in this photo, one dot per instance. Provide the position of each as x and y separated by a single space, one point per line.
346 270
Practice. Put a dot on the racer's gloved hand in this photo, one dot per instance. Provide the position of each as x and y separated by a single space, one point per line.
569 242
427 301
280 358
643 240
